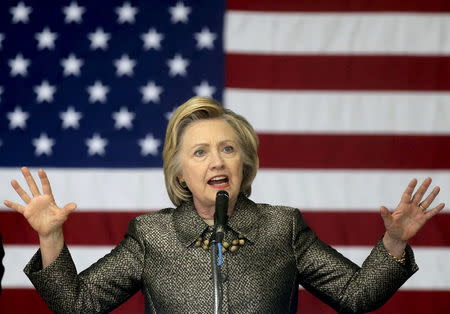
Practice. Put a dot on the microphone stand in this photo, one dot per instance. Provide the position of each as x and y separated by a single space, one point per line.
216 264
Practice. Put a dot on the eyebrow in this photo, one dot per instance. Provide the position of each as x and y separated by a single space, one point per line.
206 144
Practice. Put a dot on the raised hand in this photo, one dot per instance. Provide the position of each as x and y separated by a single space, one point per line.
40 209
411 213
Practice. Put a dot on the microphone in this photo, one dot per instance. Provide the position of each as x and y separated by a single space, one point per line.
220 215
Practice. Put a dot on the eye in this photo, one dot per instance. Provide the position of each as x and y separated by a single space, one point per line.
228 149
199 153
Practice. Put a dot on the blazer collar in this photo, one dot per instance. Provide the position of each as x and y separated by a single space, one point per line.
189 225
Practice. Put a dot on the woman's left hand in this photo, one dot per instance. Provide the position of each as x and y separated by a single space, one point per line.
411 213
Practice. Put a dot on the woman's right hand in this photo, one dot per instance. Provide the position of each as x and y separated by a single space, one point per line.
40 210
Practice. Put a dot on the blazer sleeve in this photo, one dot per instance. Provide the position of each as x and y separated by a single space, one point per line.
98 289
341 283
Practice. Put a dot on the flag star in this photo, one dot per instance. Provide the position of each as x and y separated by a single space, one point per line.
149 145
71 65
19 65
17 118
179 13
73 13
20 13
2 37
152 39
151 92
204 90
97 92
205 39
44 92
123 118
178 65
1 92
96 145
124 66
126 13
99 39
168 115
70 118
46 39
43 145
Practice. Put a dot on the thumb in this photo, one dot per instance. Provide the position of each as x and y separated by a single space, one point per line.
70 207
385 214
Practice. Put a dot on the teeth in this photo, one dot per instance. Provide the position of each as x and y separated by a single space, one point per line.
218 178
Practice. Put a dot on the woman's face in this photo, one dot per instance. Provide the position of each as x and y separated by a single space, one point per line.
211 160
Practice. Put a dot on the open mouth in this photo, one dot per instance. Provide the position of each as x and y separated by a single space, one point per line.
218 181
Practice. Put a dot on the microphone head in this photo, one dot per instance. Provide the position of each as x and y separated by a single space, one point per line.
220 214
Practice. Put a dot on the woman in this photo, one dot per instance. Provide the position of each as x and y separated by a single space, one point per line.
270 248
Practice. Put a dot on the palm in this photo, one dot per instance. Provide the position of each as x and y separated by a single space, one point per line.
408 218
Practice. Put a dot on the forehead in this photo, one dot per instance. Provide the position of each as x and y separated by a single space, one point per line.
206 131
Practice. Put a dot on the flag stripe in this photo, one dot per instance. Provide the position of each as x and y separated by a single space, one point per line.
431 259
335 228
137 190
338 72
321 151
411 302
339 6
324 33
282 111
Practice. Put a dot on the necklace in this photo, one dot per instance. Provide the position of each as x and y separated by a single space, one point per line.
227 246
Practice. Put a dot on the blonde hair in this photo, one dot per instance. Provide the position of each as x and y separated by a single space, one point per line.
202 108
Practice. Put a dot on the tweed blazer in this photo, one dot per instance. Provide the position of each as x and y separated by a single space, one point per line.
158 257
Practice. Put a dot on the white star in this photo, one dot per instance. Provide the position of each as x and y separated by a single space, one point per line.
1 92
43 145
169 114
124 66
71 118
178 65
96 145
126 13
99 39
151 92
179 13
17 118
44 92
123 118
73 13
205 39
149 145
19 65
71 65
204 89
46 39
97 92
20 13
2 37
152 39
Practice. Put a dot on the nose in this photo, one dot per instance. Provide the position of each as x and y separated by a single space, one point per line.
216 161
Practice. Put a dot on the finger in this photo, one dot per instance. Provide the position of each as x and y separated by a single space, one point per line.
407 194
30 181
70 207
430 213
421 191
46 187
17 207
430 198
21 192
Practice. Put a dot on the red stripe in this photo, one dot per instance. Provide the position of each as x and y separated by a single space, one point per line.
338 72
335 228
340 5
339 151
411 302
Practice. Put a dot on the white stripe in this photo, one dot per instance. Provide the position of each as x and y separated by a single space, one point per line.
340 33
137 190
434 273
275 111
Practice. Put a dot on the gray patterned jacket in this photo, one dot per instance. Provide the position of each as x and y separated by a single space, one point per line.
158 256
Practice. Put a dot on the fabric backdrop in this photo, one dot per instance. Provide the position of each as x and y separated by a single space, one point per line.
350 99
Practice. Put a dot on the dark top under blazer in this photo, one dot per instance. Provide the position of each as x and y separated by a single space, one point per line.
158 257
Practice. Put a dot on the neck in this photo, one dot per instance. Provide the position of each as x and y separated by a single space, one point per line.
207 212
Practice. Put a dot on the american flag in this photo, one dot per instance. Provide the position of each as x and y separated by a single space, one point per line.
349 98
